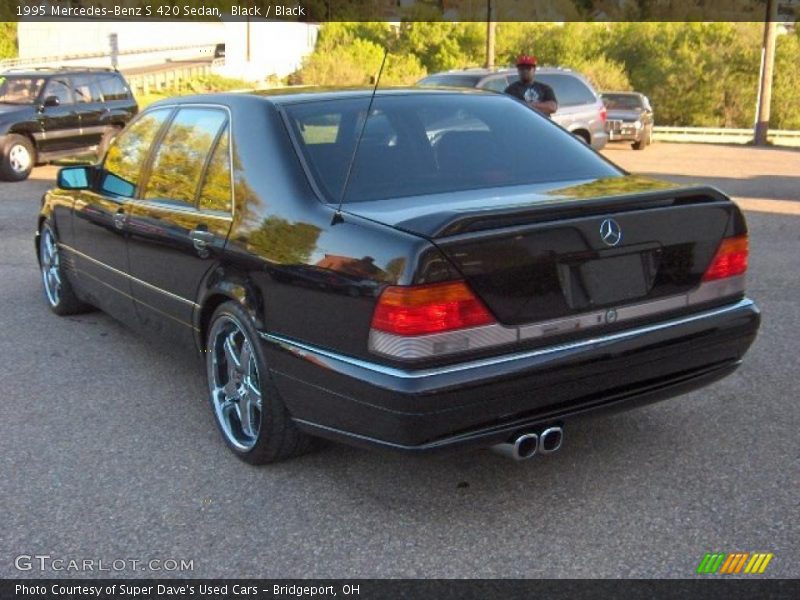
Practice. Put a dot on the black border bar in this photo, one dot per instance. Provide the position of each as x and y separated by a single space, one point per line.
399 10
707 588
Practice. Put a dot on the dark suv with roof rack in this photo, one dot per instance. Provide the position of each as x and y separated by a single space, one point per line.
46 114
580 110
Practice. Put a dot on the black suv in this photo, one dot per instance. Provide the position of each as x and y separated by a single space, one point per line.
47 114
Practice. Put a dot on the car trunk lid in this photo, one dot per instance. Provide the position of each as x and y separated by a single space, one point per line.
556 250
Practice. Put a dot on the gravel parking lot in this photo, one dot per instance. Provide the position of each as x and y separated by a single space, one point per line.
109 450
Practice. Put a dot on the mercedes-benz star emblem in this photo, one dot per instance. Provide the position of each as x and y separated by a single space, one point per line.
610 232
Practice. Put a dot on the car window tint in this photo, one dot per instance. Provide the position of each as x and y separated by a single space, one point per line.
19 90
622 101
320 129
60 89
215 194
468 81
181 156
569 90
112 87
128 152
86 89
439 143
497 84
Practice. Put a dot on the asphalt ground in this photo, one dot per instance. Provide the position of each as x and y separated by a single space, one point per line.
108 449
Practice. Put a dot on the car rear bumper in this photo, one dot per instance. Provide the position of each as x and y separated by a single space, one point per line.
484 401
599 139
624 137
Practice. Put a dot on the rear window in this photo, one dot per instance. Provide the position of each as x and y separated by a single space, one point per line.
467 81
415 145
622 101
569 90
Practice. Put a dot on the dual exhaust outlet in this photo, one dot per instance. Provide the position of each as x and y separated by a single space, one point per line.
525 445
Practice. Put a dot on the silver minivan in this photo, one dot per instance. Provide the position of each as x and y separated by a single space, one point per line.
580 109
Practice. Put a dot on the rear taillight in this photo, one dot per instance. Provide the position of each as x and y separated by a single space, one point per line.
431 308
603 114
730 259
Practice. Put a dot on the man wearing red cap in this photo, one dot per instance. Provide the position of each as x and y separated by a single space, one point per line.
534 93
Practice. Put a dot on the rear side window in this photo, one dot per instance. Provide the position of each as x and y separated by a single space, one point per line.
427 144
215 194
498 84
86 89
112 87
128 152
180 158
467 81
569 90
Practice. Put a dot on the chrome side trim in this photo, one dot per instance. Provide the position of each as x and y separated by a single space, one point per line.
131 277
451 342
317 355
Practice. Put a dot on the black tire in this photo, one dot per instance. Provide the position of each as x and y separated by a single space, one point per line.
63 300
277 438
647 139
583 137
17 158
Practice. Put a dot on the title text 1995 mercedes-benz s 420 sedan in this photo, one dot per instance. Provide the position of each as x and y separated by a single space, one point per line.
451 270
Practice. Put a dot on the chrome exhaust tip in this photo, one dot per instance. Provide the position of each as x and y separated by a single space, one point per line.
551 440
520 448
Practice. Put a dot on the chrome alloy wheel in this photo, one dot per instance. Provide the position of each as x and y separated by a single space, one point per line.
51 266
19 158
234 382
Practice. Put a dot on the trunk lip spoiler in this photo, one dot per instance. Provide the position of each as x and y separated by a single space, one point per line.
462 222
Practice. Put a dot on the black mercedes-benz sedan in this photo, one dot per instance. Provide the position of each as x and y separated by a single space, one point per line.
418 270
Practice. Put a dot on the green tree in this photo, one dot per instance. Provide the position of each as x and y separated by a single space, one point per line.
8 40
785 112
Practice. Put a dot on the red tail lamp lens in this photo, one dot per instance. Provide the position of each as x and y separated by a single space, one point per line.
432 308
730 259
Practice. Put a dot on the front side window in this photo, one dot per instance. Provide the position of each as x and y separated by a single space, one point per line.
19 90
431 144
128 153
181 156
60 88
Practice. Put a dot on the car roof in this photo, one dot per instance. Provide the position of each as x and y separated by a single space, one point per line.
282 96
484 72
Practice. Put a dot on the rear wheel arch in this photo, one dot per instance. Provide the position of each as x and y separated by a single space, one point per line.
582 133
228 291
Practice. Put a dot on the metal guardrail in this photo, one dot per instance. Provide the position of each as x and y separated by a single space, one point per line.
56 60
722 135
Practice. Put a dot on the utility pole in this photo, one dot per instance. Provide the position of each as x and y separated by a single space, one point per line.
491 28
765 80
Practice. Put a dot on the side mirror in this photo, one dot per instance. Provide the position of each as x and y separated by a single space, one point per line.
51 101
74 178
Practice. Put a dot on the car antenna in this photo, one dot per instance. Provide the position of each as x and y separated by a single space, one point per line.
337 216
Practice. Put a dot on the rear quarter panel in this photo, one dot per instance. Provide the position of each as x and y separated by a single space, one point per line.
300 275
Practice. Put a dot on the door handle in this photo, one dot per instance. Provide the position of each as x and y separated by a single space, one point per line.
119 219
201 238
